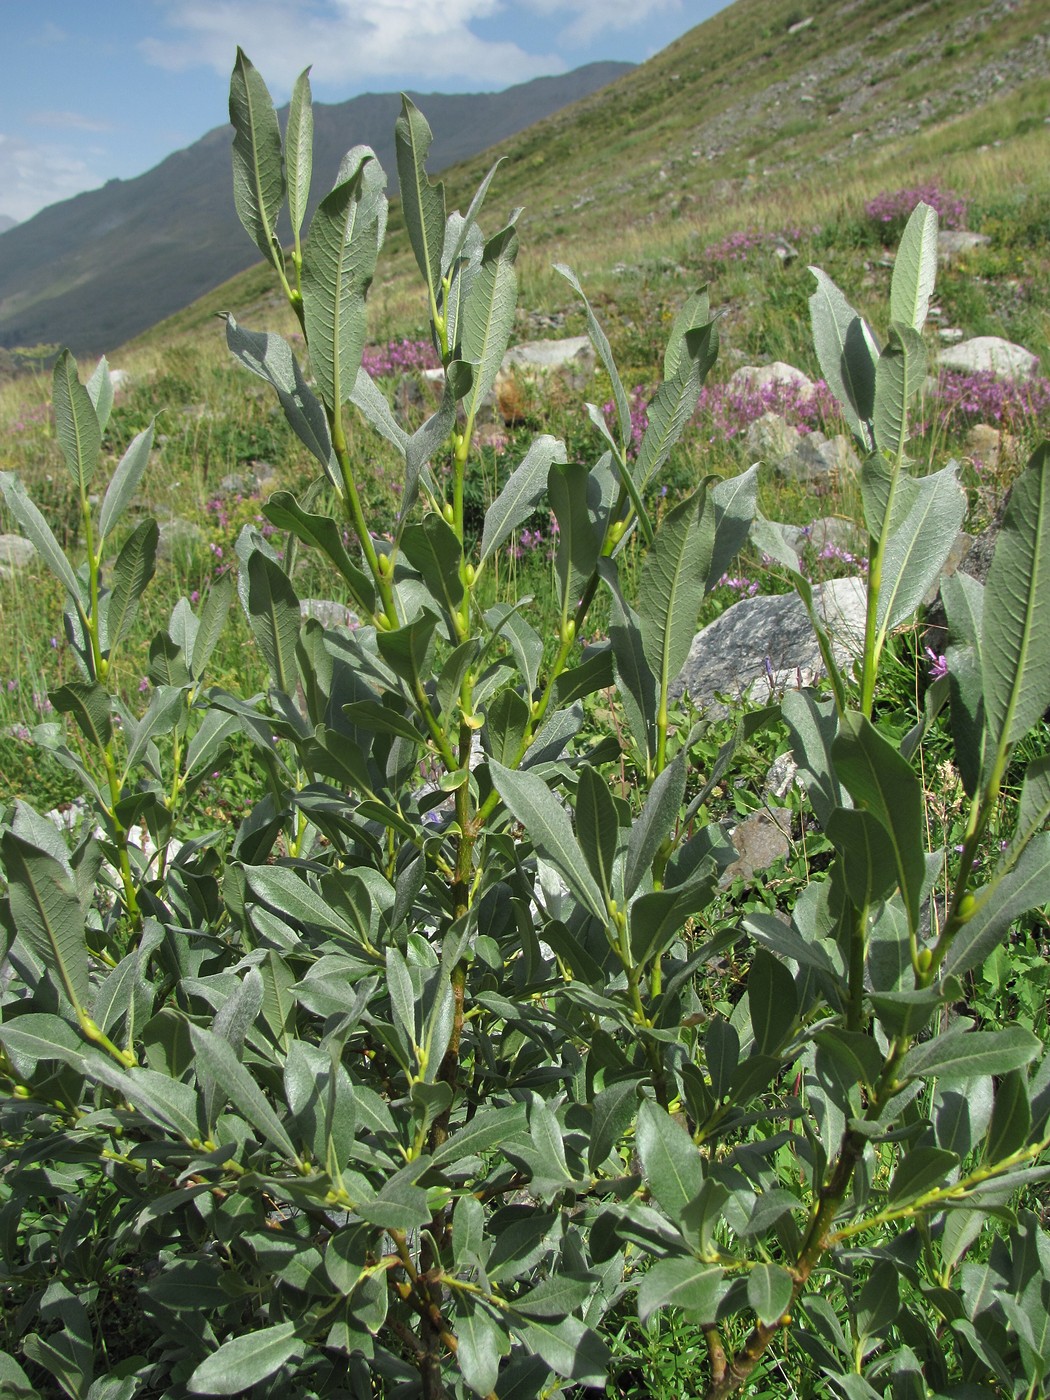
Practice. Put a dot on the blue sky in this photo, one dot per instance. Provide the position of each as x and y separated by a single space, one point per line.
96 89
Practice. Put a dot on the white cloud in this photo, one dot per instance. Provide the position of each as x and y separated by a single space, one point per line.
67 121
347 41
35 174
584 20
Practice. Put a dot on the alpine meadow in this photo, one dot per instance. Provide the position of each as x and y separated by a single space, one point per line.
424 973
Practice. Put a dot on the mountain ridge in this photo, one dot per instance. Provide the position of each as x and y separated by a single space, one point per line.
95 270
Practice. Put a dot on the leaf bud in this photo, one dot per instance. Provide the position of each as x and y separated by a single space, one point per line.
568 632
385 566
786 1320
966 907
448 513
469 575
616 532
925 960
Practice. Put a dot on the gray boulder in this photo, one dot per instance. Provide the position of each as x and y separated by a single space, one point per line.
990 354
771 437
759 376
15 553
953 243
762 646
815 458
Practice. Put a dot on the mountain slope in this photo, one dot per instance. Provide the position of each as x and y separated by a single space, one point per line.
94 270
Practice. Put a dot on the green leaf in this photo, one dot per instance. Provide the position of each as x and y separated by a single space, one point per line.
1024 886
47 914
575 498
407 649
270 357
33 1037
490 1127
921 1170
846 353
675 401
655 824
1034 807
614 1109
134 568
1011 1117
769 1290
274 617
634 680
216 1057
166 705
735 502
682 1283
868 857
670 1158
287 894
597 827
1015 646
245 1360
488 316
400 1205
430 437
339 259
122 483
773 1002
100 392
89 704
899 375
481 1343
879 780
39 532
422 203
879 1303
299 149
517 500
570 1349
433 548
258 166
165 1102
962 1054
657 919
694 312
555 1297
671 587
915 269
919 545
321 531
601 344
76 423
530 802
213 614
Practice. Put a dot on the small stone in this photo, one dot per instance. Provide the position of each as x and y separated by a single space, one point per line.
328 613
757 377
15 553
759 840
953 243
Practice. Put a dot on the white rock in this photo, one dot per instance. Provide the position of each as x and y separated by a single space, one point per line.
575 352
758 376
119 379
990 353
954 242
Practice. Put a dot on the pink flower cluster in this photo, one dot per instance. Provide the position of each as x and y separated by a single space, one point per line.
894 207
399 357
981 397
739 246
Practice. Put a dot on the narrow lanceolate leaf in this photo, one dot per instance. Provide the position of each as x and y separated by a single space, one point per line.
258 167
655 824
367 397
601 344
634 678
271 358
433 548
339 259
672 585
244 1360
39 532
459 227
769 1290
919 546
1015 647
213 615
899 375
422 203
1025 886
218 1059
675 401
488 316
134 567
323 533
671 1159
526 484
429 437
962 1055
273 614
76 423
735 500
299 148
575 499
123 482
883 783
1034 808
846 353
100 392
88 703
694 312
915 269
46 912
597 827
530 802
165 706
682 1283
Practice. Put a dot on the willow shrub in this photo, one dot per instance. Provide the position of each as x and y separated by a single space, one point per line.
407 1089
